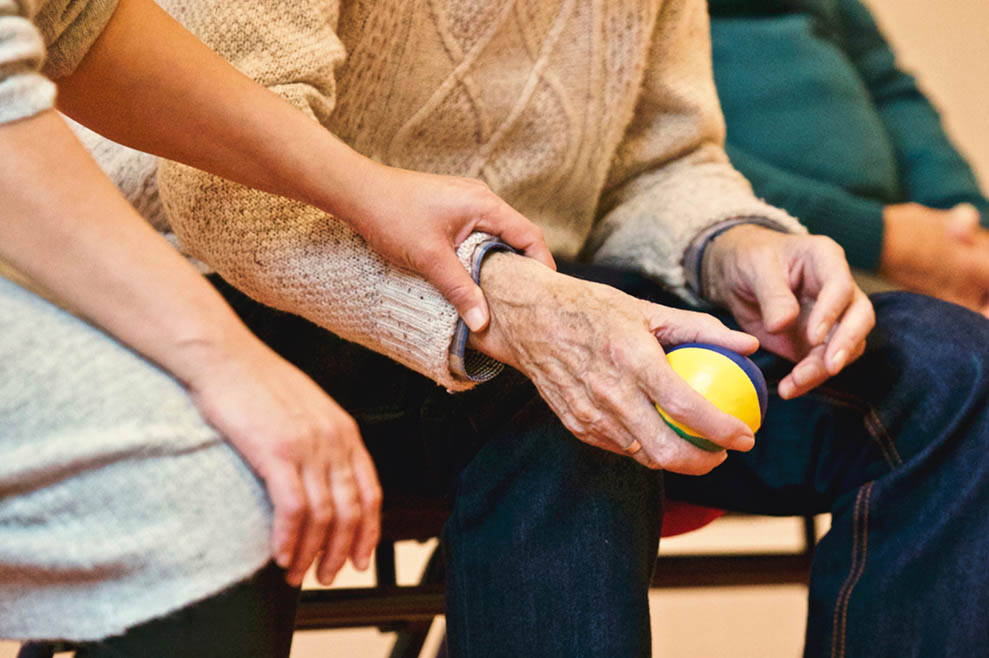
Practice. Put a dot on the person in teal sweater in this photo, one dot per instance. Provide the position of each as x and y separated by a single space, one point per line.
823 123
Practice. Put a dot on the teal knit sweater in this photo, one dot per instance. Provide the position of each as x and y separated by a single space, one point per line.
824 124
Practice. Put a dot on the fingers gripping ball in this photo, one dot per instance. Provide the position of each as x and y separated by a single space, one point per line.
730 381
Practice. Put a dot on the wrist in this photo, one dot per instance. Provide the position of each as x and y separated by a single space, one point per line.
338 180
515 287
205 343
892 253
912 236
715 260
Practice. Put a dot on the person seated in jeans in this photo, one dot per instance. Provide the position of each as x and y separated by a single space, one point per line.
824 123
599 122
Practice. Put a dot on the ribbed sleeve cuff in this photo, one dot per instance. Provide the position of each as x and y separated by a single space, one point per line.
467 364
693 260
854 223
25 94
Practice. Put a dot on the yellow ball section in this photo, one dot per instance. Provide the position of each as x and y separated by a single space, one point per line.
720 380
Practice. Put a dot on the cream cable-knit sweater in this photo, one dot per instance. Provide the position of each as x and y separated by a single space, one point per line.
597 120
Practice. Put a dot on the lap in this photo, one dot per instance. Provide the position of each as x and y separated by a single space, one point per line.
809 451
112 487
916 390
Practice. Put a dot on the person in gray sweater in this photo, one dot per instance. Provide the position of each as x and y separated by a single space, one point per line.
153 452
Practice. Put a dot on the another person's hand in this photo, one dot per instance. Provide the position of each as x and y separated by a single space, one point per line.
595 354
942 253
307 449
417 220
796 294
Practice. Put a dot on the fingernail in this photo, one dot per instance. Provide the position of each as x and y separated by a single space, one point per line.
805 374
283 559
785 389
820 333
838 360
474 319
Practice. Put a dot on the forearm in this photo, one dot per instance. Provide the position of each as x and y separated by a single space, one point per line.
201 111
931 169
64 225
298 259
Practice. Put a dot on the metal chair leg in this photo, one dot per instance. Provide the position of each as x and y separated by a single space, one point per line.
36 650
411 637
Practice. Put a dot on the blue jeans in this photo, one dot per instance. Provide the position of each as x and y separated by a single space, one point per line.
551 543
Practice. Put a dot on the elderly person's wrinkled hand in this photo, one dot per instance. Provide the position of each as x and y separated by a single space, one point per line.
596 356
796 294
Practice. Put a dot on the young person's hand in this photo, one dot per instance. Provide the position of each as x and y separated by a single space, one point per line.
67 228
305 447
942 253
417 220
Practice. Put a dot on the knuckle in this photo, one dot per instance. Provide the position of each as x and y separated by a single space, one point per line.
334 428
321 512
828 244
349 514
584 412
600 388
676 407
284 447
534 232
373 500
294 508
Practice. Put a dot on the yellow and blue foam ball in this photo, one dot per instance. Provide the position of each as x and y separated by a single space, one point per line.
730 381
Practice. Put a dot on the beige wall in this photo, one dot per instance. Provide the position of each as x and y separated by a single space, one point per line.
946 44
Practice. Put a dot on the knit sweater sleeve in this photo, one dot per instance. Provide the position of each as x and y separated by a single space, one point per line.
931 169
671 179
24 91
283 253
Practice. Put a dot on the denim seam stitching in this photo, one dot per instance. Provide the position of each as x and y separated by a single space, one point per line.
878 430
860 535
873 424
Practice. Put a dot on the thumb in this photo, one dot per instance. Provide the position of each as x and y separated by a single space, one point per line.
448 275
963 222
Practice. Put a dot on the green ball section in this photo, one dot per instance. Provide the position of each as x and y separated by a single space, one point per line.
700 442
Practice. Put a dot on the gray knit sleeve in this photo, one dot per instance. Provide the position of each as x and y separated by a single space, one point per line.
24 91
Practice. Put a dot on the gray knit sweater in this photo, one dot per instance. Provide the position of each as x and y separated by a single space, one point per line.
118 503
